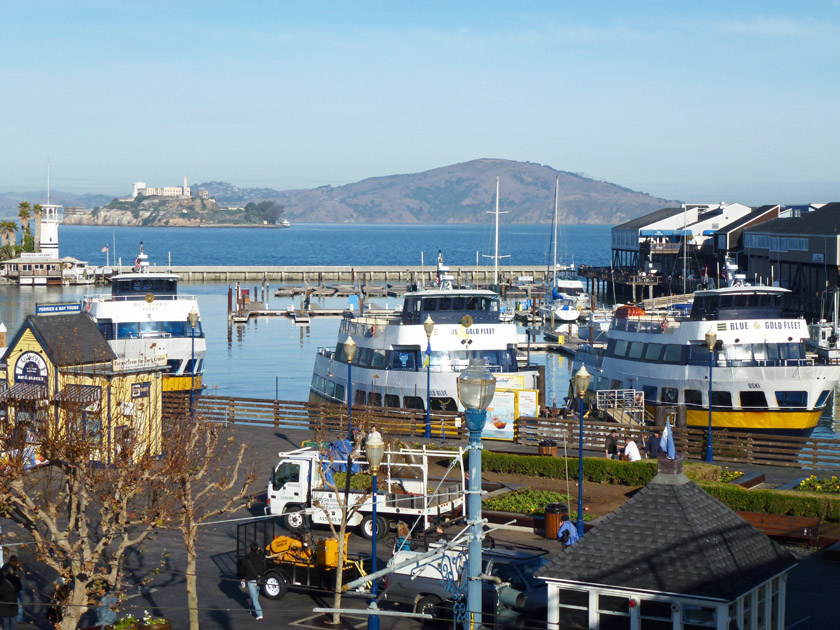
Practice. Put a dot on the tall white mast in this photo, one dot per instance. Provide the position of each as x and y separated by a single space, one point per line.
496 256
556 204
48 180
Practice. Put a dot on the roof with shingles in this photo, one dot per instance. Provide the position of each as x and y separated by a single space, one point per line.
70 339
647 219
825 220
672 537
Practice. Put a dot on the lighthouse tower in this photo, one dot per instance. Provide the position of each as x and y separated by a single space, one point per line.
52 216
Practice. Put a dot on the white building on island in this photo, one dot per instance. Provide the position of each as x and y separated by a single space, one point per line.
140 188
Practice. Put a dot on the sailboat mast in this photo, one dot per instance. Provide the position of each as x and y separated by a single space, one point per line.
48 181
554 222
496 255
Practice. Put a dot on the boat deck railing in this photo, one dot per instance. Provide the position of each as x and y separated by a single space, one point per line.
137 297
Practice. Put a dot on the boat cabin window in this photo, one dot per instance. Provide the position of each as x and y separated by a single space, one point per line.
405 359
106 327
693 397
339 392
750 305
618 348
792 399
636 350
413 402
375 399
650 393
670 395
141 286
443 404
721 399
823 397
653 352
392 400
753 399
674 354
361 397
449 309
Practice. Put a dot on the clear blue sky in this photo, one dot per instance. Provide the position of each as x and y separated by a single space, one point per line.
711 101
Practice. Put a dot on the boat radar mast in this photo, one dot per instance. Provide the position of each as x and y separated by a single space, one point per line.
496 256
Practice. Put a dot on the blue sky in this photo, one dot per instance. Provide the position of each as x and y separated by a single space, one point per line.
712 101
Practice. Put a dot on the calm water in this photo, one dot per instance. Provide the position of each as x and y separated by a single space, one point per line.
272 355
338 244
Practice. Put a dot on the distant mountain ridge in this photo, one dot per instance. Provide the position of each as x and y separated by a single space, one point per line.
459 193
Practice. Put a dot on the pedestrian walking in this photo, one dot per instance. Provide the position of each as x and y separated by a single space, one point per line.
10 588
253 569
17 568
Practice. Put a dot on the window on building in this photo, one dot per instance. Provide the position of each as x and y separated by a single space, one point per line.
655 615
574 608
697 617
613 612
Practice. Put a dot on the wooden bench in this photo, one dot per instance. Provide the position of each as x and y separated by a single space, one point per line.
800 529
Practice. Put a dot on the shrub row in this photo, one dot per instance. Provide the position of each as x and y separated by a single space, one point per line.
786 502
594 469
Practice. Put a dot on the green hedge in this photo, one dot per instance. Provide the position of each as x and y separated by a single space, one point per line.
786 502
594 469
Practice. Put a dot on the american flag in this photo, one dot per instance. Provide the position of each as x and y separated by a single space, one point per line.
105 250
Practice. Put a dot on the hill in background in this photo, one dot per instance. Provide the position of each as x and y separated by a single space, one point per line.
461 193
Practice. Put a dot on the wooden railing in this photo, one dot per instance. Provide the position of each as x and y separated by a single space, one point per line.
728 446
305 416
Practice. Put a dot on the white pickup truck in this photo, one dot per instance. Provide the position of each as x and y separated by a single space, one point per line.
296 487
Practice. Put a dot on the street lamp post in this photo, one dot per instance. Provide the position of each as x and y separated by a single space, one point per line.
581 385
192 318
374 449
428 326
711 341
349 352
476 386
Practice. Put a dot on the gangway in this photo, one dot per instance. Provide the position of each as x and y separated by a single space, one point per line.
624 406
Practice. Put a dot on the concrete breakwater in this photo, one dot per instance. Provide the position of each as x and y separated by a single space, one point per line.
358 274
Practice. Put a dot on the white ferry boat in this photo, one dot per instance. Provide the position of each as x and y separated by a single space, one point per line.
390 369
762 377
144 317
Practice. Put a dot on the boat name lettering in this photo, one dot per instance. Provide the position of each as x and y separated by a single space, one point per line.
438 392
768 325
753 385
476 330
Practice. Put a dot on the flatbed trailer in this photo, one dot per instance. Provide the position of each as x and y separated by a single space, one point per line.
295 562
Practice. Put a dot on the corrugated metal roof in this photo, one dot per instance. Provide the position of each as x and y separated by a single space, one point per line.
824 221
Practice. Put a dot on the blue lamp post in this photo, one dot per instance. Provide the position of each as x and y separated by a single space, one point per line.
476 386
374 449
711 341
581 385
192 318
349 352
428 326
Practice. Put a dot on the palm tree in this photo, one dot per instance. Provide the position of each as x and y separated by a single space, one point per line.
38 212
9 231
24 214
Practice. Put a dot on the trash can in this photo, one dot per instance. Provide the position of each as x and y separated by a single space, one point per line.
552 519
547 447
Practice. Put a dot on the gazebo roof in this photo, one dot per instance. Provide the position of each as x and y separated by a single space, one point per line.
672 537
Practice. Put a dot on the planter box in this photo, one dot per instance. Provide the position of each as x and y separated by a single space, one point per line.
749 480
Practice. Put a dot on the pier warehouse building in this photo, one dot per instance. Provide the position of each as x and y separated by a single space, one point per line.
671 558
59 370
800 251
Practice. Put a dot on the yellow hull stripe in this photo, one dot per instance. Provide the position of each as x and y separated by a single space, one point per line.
180 383
772 420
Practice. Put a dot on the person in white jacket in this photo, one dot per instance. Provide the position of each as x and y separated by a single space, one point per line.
631 451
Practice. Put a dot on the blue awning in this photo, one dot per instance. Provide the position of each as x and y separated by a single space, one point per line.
664 232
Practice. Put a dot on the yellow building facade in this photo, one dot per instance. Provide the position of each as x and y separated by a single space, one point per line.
59 374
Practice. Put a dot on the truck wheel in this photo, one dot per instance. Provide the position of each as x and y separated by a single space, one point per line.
429 605
275 586
294 518
366 527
